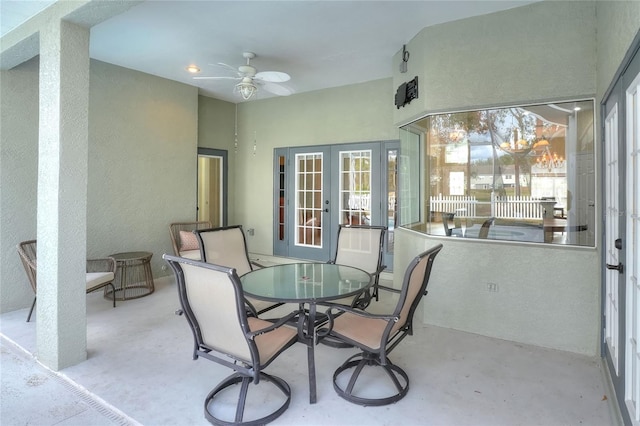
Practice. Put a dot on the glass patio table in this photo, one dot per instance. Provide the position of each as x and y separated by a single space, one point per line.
306 284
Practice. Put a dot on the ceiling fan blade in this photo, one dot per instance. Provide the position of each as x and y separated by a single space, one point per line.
277 89
229 67
216 78
273 76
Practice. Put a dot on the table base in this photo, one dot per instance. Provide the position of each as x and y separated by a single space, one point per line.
133 278
130 292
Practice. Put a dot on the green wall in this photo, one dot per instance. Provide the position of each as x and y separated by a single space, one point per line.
548 296
18 178
355 113
141 166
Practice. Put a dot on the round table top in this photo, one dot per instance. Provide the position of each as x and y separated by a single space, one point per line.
305 282
131 255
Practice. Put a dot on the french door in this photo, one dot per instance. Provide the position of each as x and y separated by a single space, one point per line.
621 310
318 188
310 206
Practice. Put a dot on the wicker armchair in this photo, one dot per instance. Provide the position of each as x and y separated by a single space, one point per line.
185 243
100 272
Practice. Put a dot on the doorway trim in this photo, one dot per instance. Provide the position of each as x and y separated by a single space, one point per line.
620 380
213 152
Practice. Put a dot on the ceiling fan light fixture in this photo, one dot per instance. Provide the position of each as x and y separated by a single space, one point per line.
246 89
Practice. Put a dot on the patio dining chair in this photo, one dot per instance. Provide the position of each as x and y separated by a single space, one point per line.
361 246
212 301
484 229
376 335
100 272
447 220
227 246
184 242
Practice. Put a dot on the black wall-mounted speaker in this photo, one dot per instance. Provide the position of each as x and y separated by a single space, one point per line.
406 93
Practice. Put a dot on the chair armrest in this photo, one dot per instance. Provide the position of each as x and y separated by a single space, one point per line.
326 330
356 311
108 264
254 263
282 321
392 290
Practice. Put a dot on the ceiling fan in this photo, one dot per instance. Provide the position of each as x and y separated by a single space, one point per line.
250 79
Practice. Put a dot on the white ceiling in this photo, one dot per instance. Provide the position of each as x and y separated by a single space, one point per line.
15 12
321 44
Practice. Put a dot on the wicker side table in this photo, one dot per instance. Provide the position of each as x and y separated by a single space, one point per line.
133 276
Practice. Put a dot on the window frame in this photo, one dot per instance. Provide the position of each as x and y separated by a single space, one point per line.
574 134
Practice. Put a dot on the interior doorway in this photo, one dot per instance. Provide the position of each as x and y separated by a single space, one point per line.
212 186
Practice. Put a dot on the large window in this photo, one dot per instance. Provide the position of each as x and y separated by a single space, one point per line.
521 173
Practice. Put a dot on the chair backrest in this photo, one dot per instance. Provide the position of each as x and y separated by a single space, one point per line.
184 228
414 286
27 252
225 246
484 229
447 218
212 301
360 246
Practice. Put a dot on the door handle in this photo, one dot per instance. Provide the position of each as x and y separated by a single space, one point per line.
619 267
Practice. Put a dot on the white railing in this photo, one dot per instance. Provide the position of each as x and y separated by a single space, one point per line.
506 207
513 206
359 202
464 205
363 201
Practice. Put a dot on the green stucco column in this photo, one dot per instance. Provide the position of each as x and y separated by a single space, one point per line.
62 194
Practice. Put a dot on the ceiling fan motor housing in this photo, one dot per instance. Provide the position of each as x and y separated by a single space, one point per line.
247 70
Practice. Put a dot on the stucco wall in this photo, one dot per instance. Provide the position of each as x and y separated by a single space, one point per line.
216 129
356 113
541 51
618 23
141 167
547 296
18 178
142 161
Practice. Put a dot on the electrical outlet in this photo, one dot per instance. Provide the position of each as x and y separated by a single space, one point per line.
493 287
163 267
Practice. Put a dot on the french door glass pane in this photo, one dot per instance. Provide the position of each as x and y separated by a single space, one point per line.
309 199
392 207
355 187
281 198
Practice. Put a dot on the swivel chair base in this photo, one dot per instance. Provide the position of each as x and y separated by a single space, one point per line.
397 376
245 382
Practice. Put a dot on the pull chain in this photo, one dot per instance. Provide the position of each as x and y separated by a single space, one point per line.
254 143
235 142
